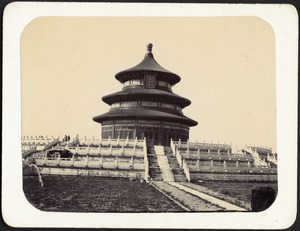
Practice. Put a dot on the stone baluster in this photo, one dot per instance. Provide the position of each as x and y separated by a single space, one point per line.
198 152
122 149
198 164
208 151
72 160
211 163
101 162
237 163
225 165
45 159
134 149
219 151
116 162
58 160
100 149
87 160
248 163
188 152
131 162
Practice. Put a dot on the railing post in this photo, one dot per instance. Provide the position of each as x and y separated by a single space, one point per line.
72 160
131 162
58 160
116 162
101 162
45 159
87 161
134 148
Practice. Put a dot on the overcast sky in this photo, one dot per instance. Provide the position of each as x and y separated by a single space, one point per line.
226 64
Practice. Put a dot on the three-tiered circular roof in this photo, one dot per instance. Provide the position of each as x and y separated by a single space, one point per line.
144 94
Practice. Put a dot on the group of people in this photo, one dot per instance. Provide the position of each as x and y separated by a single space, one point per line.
66 138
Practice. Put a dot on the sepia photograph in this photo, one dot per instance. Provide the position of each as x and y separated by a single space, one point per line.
150 114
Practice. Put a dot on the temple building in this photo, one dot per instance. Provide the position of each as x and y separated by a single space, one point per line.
146 106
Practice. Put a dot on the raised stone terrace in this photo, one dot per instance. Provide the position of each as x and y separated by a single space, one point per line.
209 161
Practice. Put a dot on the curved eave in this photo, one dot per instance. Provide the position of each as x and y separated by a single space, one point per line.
143 113
138 93
148 65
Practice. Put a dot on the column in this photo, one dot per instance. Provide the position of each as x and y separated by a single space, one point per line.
219 151
211 163
248 164
198 164
225 166
100 149
188 152
237 163
208 151
122 149
198 152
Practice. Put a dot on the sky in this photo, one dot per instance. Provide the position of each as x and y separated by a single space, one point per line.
226 65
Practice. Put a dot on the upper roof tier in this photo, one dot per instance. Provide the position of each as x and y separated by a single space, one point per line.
148 65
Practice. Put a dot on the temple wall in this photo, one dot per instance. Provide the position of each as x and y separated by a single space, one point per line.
92 172
234 177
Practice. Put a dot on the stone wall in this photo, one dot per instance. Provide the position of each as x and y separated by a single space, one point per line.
139 175
234 177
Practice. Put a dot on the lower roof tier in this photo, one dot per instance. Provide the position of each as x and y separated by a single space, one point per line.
139 93
145 114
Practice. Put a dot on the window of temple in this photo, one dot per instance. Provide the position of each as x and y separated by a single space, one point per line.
150 81
145 104
133 82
